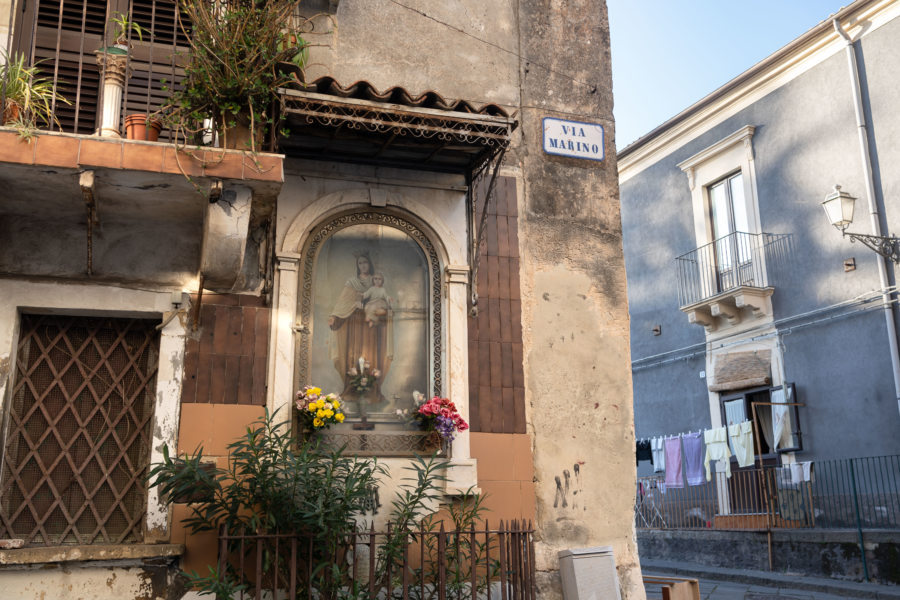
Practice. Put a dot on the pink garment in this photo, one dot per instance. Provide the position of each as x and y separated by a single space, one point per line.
693 458
673 463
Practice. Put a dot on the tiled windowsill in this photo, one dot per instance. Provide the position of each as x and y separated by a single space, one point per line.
109 552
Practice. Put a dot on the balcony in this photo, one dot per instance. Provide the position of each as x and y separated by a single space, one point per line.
725 282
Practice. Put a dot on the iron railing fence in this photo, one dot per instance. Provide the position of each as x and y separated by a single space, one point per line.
730 262
847 493
417 564
69 42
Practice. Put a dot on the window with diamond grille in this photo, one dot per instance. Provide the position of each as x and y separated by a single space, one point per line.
78 439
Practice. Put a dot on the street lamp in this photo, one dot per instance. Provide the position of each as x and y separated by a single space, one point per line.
838 207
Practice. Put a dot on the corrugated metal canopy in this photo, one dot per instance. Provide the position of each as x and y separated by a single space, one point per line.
361 124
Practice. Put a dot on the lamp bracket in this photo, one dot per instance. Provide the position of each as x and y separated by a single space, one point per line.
886 246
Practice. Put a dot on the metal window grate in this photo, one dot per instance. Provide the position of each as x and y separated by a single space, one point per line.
78 442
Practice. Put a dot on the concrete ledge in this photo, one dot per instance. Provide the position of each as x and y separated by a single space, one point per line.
57 554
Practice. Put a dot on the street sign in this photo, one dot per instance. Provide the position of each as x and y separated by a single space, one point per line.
573 138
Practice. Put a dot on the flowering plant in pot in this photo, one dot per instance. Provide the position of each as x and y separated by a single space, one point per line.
440 416
318 411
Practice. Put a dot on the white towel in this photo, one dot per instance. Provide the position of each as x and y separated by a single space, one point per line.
717 449
741 435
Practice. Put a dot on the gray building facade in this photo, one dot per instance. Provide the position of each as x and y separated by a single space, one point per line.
740 290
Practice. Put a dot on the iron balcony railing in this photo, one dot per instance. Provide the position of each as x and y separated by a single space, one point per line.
418 564
859 493
730 262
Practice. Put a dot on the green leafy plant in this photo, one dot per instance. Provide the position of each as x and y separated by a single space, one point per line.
272 485
29 98
238 53
122 25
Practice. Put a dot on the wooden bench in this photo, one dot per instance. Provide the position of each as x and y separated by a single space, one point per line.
674 588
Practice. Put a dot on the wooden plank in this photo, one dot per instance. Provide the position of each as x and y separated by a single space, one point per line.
248 331
491 234
219 325
502 236
508 411
512 205
494 319
484 357
518 362
515 320
217 380
484 409
496 365
482 282
512 230
207 328
245 380
261 335
500 193
518 410
235 323
505 322
258 393
204 378
232 377
506 359
503 278
474 363
493 265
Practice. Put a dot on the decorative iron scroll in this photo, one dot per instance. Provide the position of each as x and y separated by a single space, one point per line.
445 126
368 217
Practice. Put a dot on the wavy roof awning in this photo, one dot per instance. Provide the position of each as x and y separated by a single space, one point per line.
361 124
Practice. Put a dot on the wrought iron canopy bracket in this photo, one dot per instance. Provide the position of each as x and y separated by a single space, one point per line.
886 246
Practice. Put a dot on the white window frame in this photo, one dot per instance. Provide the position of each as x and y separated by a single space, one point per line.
727 156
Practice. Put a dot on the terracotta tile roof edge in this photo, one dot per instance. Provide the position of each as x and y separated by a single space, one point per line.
363 90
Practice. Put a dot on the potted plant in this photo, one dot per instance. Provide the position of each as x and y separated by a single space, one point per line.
236 64
440 417
317 411
123 26
141 126
29 98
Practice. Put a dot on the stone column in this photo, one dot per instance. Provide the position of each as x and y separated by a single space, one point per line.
284 328
462 473
114 68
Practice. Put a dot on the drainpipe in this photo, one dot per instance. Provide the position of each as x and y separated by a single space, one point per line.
873 208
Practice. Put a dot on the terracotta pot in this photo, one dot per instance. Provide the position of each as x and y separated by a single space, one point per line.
141 127
237 136
10 113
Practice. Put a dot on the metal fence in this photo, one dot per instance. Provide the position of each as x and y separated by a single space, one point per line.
416 564
859 493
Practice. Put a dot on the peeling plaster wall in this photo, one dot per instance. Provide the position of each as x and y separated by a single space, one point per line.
99 580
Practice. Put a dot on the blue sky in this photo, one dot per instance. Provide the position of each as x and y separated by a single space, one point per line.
667 54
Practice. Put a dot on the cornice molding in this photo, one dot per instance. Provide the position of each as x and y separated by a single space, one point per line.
803 54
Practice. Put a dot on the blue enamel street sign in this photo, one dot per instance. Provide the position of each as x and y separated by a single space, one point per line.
573 138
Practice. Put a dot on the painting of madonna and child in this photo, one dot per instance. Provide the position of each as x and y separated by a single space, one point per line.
370 323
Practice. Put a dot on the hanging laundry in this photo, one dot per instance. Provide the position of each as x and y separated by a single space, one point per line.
741 436
693 458
657 448
642 451
674 478
801 471
717 449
